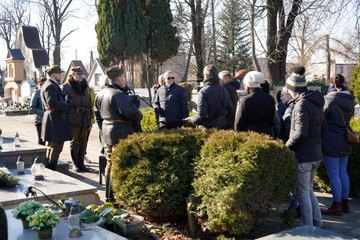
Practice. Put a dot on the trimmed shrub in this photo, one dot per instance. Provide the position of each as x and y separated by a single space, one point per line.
152 172
239 177
322 180
355 84
148 122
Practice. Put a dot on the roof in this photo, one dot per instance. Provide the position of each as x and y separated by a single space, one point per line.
40 58
97 65
31 37
31 83
76 63
15 54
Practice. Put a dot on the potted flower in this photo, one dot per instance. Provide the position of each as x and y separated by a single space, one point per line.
25 209
43 221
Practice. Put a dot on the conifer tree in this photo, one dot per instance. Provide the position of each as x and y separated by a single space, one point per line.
162 42
234 42
355 84
121 30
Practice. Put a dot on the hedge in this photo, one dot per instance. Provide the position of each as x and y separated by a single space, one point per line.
239 176
152 172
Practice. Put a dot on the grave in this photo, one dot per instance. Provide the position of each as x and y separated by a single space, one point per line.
28 151
60 232
306 232
55 185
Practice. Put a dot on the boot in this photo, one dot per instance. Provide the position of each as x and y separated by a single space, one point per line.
109 194
75 158
345 205
335 209
81 164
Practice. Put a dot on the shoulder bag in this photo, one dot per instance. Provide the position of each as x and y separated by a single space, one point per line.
351 137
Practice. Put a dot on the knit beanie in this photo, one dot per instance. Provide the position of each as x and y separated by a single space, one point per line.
296 83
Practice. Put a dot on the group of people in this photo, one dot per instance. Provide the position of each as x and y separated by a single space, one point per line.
311 125
63 112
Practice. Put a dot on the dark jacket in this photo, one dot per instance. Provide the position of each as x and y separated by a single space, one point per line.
55 124
234 98
171 104
334 142
307 120
36 106
284 113
255 112
115 114
214 107
79 101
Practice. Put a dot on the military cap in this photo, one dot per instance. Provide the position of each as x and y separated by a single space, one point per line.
54 69
114 71
77 70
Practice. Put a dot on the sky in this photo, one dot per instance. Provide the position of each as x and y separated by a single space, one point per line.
79 44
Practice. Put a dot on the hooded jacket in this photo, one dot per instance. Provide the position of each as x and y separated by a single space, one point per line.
334 142
307 120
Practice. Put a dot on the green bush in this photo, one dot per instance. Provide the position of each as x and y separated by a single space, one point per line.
189 87
355 84
322 180
239 178
152 172
148 122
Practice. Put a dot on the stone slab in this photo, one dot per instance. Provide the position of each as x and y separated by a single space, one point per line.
60 232
306 232
28 152
54 185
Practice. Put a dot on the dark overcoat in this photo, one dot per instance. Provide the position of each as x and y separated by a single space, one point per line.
55 125
334 142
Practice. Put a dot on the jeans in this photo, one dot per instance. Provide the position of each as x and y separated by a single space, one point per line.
338 177
309 205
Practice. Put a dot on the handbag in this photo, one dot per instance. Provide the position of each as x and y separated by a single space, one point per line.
351 136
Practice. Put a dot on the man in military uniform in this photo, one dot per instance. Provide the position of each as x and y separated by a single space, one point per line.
115 115
55 125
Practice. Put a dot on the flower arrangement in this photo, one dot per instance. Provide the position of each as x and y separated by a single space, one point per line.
43 219
27 208
7 180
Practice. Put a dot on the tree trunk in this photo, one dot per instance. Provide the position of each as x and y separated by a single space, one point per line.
188 58
197 22
253 42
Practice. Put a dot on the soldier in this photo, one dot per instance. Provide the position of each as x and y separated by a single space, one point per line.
115 115
55 126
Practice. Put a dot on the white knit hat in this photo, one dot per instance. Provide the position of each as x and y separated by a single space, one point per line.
253 79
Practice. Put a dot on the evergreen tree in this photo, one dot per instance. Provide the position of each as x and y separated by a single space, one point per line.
355 84
234 43
121 30
162 42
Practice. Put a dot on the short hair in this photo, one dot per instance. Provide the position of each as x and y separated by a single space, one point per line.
225 73
338 80
166 73
211 70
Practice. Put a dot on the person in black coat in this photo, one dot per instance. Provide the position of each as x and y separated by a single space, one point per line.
171 103
227 82
307 121
338 109
55 125
256 110
214 103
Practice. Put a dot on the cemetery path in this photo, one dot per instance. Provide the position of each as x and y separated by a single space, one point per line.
348 224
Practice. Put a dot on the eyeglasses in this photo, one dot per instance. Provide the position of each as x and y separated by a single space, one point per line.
170 78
